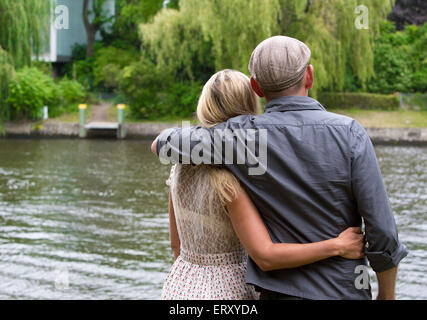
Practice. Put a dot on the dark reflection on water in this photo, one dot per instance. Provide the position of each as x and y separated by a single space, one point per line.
95 213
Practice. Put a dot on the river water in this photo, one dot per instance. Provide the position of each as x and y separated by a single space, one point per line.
87 219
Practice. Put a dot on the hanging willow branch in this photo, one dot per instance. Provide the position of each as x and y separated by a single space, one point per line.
7 72
24 26
338 47
233 28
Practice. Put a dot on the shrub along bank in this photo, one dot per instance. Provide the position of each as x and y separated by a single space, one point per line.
31 90
356 100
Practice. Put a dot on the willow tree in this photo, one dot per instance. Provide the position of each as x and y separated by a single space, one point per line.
7 72
233 28
175 41
23 35
24 28
224 31
340 34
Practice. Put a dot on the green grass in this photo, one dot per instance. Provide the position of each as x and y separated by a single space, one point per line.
112 113
387 119
74 116
112 116
192 121
368 118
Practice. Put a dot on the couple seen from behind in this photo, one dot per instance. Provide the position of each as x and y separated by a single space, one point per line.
304 228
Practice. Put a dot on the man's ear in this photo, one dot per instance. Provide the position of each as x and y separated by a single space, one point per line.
256 88
309 77
154 146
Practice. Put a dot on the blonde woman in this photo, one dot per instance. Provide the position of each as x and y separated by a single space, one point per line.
213 220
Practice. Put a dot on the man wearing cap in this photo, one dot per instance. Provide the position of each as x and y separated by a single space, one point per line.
321 176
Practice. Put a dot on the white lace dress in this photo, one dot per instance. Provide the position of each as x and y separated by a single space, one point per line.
212 262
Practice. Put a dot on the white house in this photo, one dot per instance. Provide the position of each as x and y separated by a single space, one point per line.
67 28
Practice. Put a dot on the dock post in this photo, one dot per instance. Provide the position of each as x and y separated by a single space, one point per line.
45 113
121 132
82 112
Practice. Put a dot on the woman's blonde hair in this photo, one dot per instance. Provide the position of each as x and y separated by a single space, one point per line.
227 94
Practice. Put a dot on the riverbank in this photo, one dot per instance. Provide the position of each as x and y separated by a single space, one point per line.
54 129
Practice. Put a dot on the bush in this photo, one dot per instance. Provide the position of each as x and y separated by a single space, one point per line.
140 82
81 68
178 100
109 63
101 72
400 60
416 101
152 94
367 101
29 92
71 91
82 71
32 89
43 66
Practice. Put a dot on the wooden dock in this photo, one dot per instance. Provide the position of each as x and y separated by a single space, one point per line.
104 129
102 126
99 126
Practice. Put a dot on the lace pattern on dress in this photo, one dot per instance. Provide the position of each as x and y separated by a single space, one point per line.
203 224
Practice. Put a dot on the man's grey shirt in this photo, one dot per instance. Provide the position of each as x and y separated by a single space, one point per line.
322 176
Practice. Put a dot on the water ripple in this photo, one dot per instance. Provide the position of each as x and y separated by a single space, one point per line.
98 210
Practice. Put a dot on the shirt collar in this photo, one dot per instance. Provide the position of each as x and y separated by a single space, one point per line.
293 103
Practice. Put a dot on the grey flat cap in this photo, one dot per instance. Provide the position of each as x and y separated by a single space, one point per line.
279 63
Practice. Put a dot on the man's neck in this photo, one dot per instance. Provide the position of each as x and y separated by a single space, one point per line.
300 93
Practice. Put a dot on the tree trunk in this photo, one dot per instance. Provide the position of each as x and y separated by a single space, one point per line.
91 36
90 30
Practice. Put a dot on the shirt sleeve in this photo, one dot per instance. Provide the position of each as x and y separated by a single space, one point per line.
190 145
164 141
384 251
